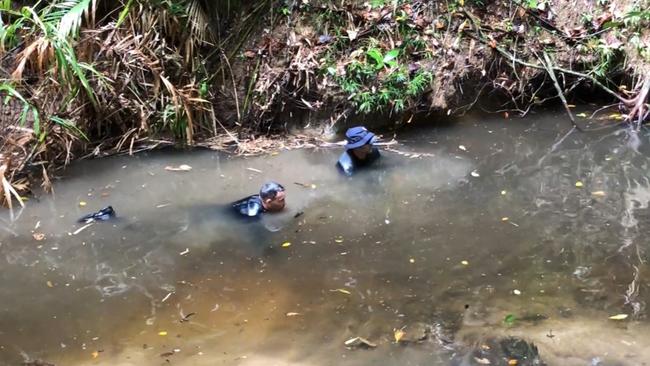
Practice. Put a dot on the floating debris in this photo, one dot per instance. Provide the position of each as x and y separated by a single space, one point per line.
359 342
180 168
342 290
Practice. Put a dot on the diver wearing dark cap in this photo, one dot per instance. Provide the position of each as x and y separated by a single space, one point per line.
270 199
359 150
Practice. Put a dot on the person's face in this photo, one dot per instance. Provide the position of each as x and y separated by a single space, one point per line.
363 151
275 204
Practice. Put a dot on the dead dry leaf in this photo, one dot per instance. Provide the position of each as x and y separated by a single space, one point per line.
180 168
398 334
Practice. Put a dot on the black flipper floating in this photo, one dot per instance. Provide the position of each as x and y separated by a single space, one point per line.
104 214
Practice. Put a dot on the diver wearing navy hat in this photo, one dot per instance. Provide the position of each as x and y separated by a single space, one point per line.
359 151
270 199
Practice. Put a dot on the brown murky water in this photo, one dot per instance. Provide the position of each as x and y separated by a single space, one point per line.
443 246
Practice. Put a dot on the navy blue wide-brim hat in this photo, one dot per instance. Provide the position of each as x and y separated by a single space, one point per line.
357 137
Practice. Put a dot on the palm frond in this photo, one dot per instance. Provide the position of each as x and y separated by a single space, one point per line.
70 13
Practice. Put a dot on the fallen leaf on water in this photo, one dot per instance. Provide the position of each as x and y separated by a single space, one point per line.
510 319
293 314
180 168
616 116
286 244
598 193
619 317
399 334
162 333
482 361
82 203
342 290
464 263
49 284
512 362
359 341
38 236
95 354
579 184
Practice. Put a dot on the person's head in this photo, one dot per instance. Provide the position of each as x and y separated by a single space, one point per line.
360 141
272 195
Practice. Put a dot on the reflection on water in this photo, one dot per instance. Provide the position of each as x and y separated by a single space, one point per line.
442 247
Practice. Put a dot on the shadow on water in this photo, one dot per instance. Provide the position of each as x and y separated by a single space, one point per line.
462 228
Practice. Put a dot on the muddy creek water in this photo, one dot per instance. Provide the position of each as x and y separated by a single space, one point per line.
484 221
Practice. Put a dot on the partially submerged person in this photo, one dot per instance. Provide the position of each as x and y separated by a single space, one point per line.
359 150
270 199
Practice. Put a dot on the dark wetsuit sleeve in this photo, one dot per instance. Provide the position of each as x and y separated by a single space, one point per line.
345 164
249 206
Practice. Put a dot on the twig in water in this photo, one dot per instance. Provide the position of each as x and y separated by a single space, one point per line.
551 73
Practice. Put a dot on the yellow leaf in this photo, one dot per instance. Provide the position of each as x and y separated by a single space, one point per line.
619 317
49 284
162 333
399 334
95 354
579 184
512 362
342 290
286 244
461 2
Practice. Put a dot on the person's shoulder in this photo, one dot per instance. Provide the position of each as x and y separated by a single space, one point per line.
250 206
345 163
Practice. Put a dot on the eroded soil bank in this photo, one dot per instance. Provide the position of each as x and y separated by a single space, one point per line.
92 80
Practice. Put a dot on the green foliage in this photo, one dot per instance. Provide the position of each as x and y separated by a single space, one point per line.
379 82
510 320
11 93
174 119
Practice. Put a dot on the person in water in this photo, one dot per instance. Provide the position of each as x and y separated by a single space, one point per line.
270 199
359 150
